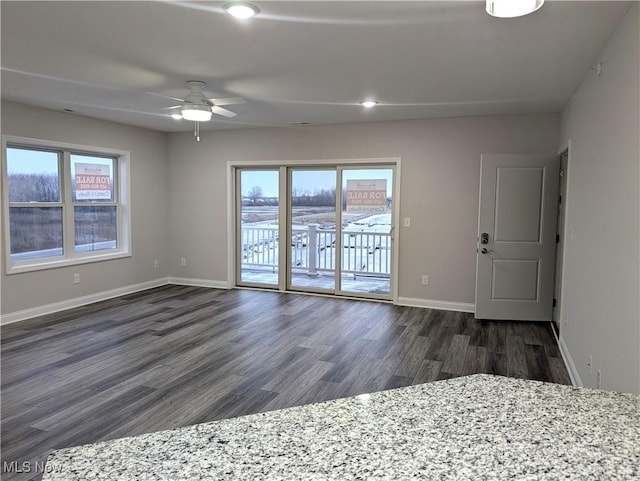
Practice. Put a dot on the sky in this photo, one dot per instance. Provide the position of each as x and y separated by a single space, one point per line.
22 161
25 161
309 180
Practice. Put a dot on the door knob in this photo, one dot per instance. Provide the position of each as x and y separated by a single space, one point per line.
484 250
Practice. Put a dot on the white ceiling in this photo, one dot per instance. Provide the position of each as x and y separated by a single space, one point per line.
304 61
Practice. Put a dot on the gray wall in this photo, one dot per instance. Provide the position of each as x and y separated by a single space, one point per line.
179 207
148 202
601 278
439 188
179 196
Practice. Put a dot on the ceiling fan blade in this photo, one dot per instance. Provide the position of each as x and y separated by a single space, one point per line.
80 106
165 96
224 112
171 108
229 101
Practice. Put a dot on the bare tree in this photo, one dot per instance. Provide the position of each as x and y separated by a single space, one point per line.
254 194
33 188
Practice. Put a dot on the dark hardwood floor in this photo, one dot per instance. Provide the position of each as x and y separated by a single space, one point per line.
175 356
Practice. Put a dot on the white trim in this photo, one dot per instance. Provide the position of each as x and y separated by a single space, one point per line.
311 162
283 213
568 362
565 242
395 238
79 301
52 144
435 304
564 350
231 224
185 281
55 262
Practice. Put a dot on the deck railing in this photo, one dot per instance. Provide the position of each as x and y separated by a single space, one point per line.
313 250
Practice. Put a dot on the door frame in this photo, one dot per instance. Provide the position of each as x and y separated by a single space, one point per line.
565 240
283 165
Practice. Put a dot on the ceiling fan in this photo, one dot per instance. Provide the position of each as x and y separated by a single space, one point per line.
198 108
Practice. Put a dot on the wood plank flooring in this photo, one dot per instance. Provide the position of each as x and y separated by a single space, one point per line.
176 355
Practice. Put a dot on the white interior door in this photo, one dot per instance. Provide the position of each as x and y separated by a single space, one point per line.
516 237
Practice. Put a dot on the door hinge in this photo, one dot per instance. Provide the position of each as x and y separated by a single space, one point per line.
560 200
555 301
557 238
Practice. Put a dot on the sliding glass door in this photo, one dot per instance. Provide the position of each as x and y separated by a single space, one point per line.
338 234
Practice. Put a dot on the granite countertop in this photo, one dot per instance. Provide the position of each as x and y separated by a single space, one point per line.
475 427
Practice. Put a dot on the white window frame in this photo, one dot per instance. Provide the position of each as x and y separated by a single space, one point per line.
122 202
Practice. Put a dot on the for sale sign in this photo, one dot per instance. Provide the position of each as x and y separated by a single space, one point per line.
93 181
367 196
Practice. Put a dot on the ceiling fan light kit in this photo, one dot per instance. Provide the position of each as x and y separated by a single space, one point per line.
196 112
369 103
512 8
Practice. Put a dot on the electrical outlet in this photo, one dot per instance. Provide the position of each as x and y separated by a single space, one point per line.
599 379
183 262
425 280
76 278
156 264
590 364
407 221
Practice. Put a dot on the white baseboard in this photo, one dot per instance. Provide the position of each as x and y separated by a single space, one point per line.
433 304
568 362
79 301
185 281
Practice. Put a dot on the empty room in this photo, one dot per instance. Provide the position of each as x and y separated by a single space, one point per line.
320 240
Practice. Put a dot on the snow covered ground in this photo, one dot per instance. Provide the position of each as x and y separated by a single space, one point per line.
366 254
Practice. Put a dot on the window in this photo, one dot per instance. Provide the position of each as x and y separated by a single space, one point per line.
65 204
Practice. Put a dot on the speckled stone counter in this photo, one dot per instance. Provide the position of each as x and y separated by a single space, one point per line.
475 427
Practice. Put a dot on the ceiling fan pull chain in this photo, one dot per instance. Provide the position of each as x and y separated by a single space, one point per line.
196 130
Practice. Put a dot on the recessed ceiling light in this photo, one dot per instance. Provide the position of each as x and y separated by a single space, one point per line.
241 10
512 8
369 103
176 116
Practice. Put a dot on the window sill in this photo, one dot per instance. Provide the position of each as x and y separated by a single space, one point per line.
53 264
